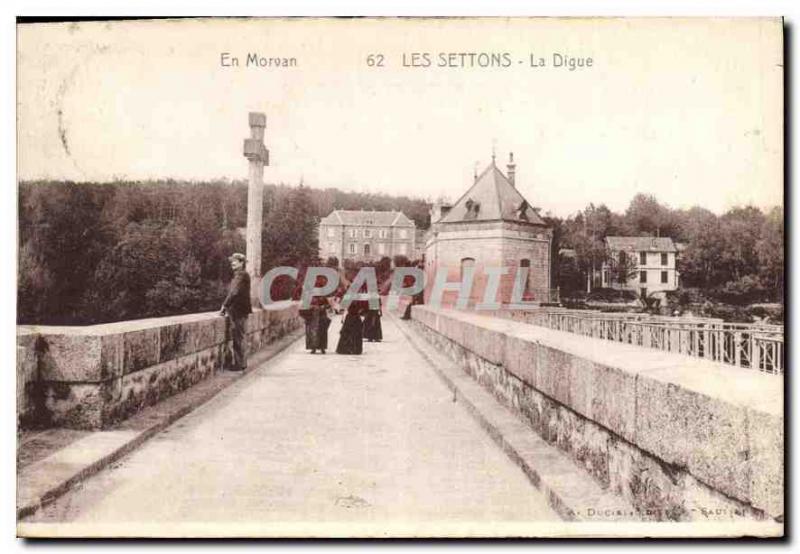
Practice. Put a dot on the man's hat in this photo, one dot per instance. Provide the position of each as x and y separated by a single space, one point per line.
238 256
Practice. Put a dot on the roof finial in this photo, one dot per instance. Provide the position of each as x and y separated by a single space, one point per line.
494 147
475 172
512 170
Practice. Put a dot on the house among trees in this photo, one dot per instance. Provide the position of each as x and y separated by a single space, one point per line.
645 265
491 226
361 235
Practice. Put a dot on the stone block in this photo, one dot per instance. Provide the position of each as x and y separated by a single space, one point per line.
425 316
27 378
613 400
552 373
173 341
766 447
75 405
588 444
263 319
689 429
81 357
702 503
520 358
581 386
487 343
141 349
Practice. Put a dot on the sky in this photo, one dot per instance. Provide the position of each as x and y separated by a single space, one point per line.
690 110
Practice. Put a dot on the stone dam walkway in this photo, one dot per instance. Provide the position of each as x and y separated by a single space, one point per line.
306 440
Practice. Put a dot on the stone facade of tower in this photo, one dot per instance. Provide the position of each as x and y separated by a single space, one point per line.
491 226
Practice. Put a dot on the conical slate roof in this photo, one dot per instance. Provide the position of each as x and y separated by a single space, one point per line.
492 197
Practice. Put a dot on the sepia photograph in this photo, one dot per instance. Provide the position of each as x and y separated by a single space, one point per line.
400 277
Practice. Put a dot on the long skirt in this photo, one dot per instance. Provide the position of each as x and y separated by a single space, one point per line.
350 339
317 323
372 326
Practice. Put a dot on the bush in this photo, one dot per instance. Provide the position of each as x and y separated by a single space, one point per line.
611 295
745 290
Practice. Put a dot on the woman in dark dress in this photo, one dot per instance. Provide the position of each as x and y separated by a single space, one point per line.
317 323
350 337
372 324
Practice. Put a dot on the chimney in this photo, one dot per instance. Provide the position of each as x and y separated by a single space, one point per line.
512 170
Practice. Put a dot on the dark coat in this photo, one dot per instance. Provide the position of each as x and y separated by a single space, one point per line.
237 303
317 323
372 325
350 336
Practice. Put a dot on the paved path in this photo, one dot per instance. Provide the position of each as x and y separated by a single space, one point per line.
375 438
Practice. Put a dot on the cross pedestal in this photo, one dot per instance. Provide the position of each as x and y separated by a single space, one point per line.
258 156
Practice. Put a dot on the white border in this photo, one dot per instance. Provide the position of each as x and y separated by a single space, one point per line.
788 8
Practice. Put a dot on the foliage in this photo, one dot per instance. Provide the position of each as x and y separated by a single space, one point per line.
737 257
99 252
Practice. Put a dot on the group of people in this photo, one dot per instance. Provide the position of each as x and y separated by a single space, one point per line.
361 323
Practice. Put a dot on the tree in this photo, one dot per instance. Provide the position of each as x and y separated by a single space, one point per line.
739 233
622 267
148 253
770 253
647 217
700 265
290 234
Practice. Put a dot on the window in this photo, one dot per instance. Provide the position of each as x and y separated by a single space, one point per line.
352 248
369 222
382 233
527 265
664 257
664 277
642 276
331 232
403 248
366 249
381 248
403 234
367 233
642 258
623 257
353 233
466 263
331 247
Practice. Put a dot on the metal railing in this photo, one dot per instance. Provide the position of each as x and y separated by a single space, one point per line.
754 346
542 295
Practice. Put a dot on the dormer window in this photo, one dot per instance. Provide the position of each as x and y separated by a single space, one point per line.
522 211
473 208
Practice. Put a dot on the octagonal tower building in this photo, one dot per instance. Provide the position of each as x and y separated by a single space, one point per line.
491 225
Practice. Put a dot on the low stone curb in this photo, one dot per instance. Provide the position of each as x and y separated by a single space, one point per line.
42 482
570 491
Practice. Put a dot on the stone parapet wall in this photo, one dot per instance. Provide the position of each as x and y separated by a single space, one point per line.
682 439
93 376
27 377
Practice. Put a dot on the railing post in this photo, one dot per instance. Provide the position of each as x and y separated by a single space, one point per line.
755 352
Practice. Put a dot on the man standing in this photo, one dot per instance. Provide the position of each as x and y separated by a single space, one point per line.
237 307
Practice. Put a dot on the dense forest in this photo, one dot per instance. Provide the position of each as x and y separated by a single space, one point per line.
736 257
99 252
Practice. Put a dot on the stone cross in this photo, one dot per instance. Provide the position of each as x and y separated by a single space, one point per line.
258 156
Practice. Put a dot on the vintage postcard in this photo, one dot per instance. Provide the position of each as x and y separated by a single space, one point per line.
400 277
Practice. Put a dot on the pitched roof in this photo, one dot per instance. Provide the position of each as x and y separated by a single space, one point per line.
360 217
651 244
492 197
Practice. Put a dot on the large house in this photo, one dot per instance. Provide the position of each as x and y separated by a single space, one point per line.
366 236
645 265
490 226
